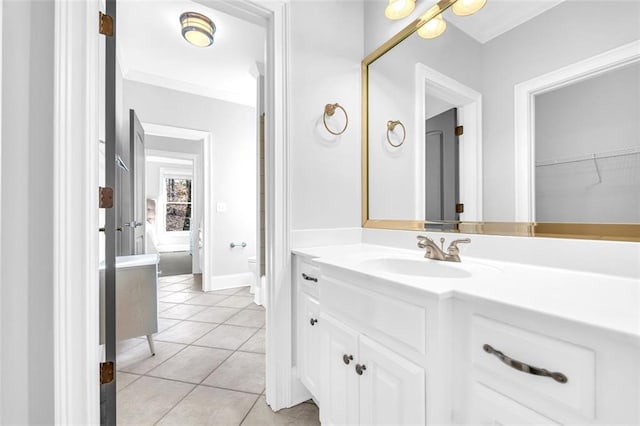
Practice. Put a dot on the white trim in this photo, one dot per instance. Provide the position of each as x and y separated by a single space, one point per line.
524 114
75 250
221 282
202 165
2 366
469 104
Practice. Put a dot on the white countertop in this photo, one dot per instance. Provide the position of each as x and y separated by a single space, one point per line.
607 302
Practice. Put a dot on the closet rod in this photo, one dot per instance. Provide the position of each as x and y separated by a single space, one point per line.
589 157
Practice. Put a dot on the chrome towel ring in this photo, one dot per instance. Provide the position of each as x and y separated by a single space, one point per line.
329 110
391 125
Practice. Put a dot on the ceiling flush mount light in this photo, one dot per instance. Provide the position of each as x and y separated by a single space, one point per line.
398 9
197 29
433 28
467 7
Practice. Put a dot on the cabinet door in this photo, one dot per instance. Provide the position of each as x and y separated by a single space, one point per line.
339 381
392 388
309 343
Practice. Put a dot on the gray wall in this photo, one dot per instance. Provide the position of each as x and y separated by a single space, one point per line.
26 362
598 115
233 172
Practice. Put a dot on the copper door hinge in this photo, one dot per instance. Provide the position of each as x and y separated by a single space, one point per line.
459 130
105 197
106 372
105 26
459 208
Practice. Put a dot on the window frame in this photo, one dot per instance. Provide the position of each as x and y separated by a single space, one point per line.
173 174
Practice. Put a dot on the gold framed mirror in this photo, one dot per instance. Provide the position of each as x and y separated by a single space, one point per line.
548 212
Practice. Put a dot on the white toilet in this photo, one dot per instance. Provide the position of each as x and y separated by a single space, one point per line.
255 286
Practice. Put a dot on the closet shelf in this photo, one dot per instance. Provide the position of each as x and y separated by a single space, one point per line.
589 157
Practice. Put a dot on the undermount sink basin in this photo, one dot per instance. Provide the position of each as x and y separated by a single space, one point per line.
423 267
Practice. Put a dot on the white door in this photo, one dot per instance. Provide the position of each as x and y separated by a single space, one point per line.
309 349
339 398
392 388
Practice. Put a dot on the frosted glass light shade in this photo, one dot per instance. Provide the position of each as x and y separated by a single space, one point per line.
398 9
433 28
197 29
467 7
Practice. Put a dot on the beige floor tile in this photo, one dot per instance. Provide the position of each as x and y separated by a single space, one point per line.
124 379
255 307
139 360
181 311
176 287
236 302
244 291
163 306
128 344
210 406
192 364
185 332
226 337
178 297
174 278
164 323
215 314
247 318
227 291
145 401
206 299
256 343
301 414
162 293
242 371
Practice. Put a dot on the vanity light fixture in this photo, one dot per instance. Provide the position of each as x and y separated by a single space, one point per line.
434 28
467 7
398 9
197 29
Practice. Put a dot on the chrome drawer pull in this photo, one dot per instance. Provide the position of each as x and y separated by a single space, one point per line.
309 278
525 368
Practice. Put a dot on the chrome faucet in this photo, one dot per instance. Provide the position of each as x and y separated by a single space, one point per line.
437 253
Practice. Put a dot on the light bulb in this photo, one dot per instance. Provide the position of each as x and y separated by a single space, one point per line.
398 9
467 7
433 28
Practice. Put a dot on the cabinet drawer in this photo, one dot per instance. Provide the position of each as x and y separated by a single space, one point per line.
524 349
307 276
398 320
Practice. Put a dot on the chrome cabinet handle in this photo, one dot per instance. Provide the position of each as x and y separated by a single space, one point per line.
347 358
525 368
309 278
360 369
313 321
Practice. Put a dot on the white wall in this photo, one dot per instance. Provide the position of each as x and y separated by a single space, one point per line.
326 50
596 116
26 361
233 172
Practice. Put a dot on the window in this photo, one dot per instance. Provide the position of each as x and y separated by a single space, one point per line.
178 206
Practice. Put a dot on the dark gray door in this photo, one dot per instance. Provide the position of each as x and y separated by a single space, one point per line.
441 172
138 202
108 390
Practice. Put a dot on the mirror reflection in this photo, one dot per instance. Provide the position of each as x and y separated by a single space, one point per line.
525 111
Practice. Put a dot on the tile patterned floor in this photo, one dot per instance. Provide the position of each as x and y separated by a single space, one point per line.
209 363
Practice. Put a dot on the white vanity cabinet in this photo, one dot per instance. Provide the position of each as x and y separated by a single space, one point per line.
307 326
514 367
365 383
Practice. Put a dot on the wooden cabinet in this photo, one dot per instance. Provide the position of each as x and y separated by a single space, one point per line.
365 383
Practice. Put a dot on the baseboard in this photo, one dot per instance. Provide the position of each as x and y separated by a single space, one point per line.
222 282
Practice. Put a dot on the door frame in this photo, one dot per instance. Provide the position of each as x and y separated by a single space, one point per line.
524 116
75 329
203 165
469 105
